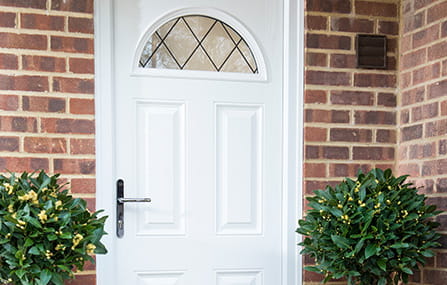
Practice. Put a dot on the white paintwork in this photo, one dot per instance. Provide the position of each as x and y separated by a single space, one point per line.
239 169
291 151
239 278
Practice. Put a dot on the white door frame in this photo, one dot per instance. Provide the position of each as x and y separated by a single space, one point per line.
293 62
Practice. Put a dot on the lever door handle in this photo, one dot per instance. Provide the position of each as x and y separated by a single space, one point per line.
120 200
137 200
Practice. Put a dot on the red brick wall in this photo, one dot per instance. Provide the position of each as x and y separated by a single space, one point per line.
422 148
46 92
350 113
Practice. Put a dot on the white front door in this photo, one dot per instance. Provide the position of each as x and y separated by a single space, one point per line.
206 147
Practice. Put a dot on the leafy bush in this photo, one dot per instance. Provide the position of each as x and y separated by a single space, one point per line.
45 234
372 230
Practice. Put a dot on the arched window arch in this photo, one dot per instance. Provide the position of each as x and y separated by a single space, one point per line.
200 42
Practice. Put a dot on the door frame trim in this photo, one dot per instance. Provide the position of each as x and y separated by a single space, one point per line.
292 155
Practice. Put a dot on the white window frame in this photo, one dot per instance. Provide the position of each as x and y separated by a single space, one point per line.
293 62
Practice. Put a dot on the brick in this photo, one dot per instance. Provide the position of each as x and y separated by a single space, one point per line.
316 59
9 102
411 133
413 59
413 21
74 166
387 99
8 61
434 167
347 170
391 63
83 185
352 98
82 65
375 80
314 170
373 153
335 152
328 78
405 116
315 96
426 73
37 4
18 124
82 146
352 25
328 41
418 4
312 134
424 112
442 147
386 136
391 45
441 187
20 164
74 126
410 169
23 41
389 28
42 22
437 128
82 279
442 219
350 135
43 104
7 20
375 117
327 116
312 152
43 63
24 83
444 108
422 151
82 6
375 8
413 96
405 79
437 89
437 12
80 25
45 145
343 61
312 185
75 45
9 144
82 106
444 68
309 276
441 204
437 51
316 22
444 29
73 85
334 6
425 36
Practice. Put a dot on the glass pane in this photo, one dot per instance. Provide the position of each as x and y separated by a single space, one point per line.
198 43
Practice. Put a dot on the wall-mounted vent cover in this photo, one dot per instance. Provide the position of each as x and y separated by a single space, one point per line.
371 51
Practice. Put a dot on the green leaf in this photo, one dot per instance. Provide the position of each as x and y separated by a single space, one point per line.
362 193
359 245
45 276
336 212
428 253
382 264
382 281
28 242
34 250
400 245
370 250
57 279
407 270
312 268
341 242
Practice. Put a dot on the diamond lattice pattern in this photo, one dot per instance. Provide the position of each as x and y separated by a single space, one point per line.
198 43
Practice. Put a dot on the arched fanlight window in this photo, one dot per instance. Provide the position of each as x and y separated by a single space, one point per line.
196 42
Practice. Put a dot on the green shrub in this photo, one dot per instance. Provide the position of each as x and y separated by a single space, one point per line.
45 234
372 230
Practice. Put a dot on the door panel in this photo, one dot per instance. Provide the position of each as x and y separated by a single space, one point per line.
208 154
